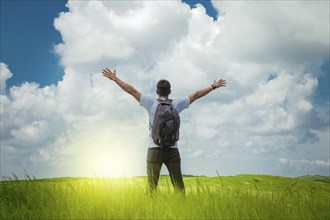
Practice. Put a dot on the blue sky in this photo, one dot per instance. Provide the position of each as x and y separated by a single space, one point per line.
28 38
56 109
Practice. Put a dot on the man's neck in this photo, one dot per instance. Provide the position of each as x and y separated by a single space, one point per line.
163 97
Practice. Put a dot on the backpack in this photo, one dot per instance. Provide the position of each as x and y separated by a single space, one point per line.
166 124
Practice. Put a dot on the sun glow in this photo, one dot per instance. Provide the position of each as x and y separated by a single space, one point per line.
107 163
107 167
103 153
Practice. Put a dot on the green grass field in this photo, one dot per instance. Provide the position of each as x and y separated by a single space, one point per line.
230 197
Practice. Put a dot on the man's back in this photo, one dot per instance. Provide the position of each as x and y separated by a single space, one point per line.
150 104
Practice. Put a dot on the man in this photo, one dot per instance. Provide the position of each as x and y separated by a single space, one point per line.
157 155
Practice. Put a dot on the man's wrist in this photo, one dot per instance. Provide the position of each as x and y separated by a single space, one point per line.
213 86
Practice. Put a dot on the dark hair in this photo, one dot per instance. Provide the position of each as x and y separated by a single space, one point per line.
163 87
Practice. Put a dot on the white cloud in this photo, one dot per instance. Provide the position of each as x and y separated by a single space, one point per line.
96 34
192 153
269 58
303 162
265 31
5 74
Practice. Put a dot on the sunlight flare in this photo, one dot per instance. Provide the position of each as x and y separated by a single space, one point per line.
107 166
107 162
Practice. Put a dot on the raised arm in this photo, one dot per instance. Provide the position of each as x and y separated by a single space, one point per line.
200 93
125 86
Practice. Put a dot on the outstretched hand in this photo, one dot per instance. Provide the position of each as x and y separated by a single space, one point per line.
107 73
219 83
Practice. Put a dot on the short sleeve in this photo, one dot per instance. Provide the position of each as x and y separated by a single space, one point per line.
146 102
181 103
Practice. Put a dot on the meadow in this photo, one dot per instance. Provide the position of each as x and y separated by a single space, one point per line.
220 197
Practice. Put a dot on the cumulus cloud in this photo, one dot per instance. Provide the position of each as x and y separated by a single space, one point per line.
270 59
5 74
304 162
274 31
133 34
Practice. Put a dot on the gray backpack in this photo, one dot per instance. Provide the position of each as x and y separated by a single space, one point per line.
166 124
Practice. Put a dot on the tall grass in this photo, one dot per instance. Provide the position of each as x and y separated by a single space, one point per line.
239 197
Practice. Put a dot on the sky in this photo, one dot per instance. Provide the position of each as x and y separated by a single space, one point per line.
61 117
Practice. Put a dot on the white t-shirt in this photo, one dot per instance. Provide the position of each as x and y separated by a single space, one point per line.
151 103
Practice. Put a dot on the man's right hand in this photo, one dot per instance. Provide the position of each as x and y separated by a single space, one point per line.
219 83
107 73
